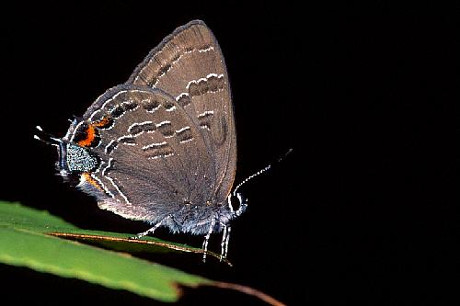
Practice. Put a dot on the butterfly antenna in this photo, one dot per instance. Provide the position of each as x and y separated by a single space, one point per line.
266 168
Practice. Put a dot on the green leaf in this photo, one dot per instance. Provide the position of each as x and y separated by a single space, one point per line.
33 239
23 242
14 215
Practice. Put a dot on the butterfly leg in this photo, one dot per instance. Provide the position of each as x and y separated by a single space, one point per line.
206 239
224 243
150 230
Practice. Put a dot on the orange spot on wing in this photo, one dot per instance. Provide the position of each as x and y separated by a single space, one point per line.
103 122
87 177
90 135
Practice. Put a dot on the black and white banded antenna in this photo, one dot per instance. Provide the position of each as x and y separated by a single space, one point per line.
261 171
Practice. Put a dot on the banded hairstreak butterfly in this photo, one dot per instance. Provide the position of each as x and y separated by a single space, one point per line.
161 147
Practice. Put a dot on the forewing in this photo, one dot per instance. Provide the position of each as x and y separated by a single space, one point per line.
189 65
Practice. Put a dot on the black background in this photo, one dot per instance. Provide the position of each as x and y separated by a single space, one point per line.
358 213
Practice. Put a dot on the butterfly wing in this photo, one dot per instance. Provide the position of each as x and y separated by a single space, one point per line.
189 65
147 128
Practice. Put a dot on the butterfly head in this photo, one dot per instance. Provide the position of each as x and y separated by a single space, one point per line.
73 159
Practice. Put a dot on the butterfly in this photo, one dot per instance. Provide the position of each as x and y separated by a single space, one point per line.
161 148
